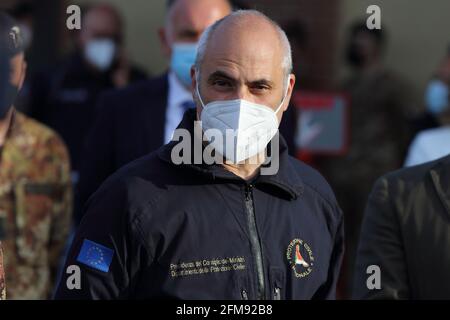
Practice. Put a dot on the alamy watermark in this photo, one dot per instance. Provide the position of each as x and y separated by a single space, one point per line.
73 21
74 277
374 20
373 281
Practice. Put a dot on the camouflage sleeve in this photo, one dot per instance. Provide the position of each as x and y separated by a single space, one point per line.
2 276
62 207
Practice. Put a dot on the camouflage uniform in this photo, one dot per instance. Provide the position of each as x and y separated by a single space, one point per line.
2 276
36 195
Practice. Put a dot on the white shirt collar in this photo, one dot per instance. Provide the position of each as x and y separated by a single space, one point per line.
177 92
177 95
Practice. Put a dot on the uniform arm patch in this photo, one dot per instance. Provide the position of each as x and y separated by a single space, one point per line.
95 255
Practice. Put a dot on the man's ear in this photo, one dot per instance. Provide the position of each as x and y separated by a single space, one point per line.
164 43
289 91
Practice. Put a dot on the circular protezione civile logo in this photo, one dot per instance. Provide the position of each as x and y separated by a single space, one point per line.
300 258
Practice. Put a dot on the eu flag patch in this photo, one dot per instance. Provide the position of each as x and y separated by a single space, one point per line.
95 255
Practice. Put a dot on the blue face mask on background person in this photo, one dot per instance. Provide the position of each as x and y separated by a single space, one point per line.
183 57
100 53
436 97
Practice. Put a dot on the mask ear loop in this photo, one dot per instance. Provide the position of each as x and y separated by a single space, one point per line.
198 92
199 96
285 95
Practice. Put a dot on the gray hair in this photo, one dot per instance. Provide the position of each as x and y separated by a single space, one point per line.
286 63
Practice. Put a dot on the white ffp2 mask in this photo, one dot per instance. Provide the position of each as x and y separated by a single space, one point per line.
248 126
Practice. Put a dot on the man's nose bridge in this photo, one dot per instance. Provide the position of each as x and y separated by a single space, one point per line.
242 92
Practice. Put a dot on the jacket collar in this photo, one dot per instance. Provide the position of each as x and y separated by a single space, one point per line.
286 179
440 175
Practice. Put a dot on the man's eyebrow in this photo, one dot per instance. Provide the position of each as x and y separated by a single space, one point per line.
220 74
223 75
261 82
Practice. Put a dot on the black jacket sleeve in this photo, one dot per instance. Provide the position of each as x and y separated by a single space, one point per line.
98 160
381 245
109 223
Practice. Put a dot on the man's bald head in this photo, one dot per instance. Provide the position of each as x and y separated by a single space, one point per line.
187 19
245 27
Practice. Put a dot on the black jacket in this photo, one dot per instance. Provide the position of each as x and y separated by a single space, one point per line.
406 233
130 124
200 232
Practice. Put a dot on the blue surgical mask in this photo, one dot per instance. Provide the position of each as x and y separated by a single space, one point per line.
183 57
100 53
436 97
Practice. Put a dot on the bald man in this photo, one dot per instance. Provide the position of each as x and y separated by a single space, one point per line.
237 217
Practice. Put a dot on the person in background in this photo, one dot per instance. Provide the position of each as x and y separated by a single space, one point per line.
382 106
433 143
139 119
64 98
406 234
35 186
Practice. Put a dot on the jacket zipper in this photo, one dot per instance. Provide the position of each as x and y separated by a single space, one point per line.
244 295
255 241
